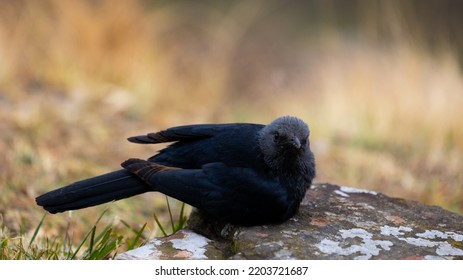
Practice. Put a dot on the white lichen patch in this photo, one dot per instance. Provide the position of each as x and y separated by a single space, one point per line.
420 242
426 239
365 250
283 254
278 243
432 257
348 190
395 231
343 194
193 243
289 233
355 232
147 252
369 244
432 234
445 249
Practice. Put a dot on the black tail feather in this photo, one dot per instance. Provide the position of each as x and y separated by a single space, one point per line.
94 191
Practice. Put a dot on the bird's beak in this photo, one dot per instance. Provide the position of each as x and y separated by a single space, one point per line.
295 142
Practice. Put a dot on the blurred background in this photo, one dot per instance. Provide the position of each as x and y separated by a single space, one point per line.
379 82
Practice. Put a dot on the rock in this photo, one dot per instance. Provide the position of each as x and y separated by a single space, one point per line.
334 222
184 244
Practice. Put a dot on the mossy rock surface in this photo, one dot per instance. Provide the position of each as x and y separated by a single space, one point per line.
334 222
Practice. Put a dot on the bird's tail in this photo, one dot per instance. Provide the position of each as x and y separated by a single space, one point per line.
94 191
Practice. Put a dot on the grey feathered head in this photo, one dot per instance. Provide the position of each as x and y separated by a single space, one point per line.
285 143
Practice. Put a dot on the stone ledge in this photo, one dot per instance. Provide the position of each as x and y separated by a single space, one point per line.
334 222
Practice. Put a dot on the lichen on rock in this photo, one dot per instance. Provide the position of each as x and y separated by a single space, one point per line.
334 222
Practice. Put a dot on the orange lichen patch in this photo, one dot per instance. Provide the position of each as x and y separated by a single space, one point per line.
263 235
183 255
319 222
397 220
414 258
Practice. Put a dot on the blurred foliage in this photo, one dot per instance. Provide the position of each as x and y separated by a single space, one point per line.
379 82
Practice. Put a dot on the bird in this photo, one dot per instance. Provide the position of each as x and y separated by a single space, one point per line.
240 173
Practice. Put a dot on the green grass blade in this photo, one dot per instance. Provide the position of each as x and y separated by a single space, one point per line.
92 240
82 243
91 232
36 231
138 234
159 224
103 233
170 214
102 244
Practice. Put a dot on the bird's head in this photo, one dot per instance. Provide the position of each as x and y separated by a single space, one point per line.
285 141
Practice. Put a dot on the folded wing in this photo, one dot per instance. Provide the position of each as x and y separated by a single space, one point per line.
237 195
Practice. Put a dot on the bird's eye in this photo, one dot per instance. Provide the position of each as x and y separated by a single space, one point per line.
303 141
276 136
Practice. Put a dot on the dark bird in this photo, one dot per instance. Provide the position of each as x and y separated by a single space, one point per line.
240 173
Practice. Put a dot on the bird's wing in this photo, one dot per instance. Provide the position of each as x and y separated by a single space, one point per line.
182 133
229 193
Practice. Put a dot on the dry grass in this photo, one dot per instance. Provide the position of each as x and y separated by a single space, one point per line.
77 78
